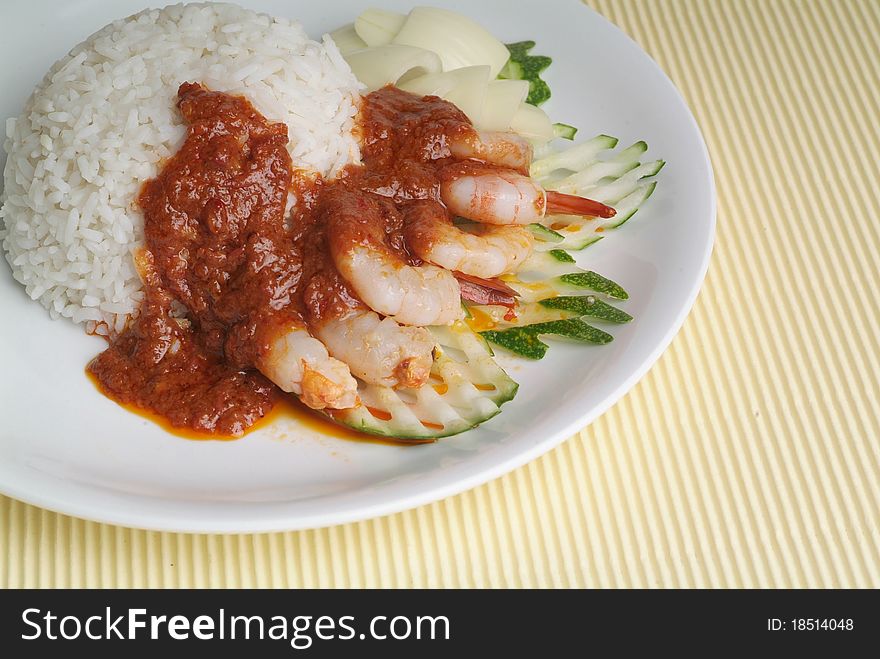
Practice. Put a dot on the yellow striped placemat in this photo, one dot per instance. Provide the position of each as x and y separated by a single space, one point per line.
750 454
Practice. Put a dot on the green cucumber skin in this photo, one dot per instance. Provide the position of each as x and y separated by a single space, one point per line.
587 305
658 165
593 281
525 341
378 431
511 71
576 245
632 152
522 66
519 341
545 234
572 328
504 396
564 131
561 255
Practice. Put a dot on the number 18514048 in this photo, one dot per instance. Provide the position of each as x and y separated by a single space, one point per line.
810 624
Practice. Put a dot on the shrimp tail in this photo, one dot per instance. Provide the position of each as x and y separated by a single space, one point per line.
486 291
413 372
567 204
320 392
299 363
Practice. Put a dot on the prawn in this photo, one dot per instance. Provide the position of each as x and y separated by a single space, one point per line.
365 246
489 252
299 363
289 356
377 350
492 195
504 149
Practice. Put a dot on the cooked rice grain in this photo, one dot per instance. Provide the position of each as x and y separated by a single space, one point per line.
105 115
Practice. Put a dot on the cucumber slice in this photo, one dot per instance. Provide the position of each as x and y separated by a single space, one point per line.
525 340
587 305
574 158
466 389
561 255
545 234
548 273
529 313
556 308
575 241
619 181
519 341
572 328
629 205
614 191
590 281
592 230
522 66
547 264
625 161
581 240
564 131
545 307
512 71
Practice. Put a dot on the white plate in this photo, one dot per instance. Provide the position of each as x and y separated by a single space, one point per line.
65 447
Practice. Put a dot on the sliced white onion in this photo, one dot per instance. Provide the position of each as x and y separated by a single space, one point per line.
503 98
384 65
377 27
458 40
532 123
465 87
347 40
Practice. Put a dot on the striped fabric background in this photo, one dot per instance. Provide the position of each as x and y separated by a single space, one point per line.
750 454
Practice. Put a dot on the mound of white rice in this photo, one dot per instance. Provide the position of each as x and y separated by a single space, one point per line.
103 118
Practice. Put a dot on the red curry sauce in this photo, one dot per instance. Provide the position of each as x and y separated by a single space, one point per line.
218 245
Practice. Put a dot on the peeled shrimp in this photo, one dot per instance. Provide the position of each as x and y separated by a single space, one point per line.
358 233
504 149
490 252
377 350
500 196
299 363
295 361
